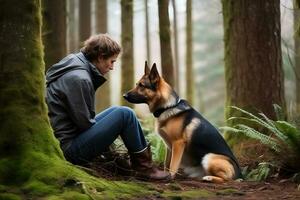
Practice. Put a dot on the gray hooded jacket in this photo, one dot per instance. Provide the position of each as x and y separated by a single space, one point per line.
71 86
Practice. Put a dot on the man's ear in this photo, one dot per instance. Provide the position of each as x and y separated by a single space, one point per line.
154 75
147 70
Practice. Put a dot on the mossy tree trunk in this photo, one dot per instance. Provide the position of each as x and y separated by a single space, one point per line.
84 20
297 50
102 93
127 67
165 42
189 54
24 126
54 31
253 62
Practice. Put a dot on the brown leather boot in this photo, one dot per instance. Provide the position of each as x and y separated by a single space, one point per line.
144 168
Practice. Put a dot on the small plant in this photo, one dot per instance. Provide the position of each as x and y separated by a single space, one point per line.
158 147
284 140
262 172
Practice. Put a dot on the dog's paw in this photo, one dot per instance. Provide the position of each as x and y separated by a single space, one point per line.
173 176
207 178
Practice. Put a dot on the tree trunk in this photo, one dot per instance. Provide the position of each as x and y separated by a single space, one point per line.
176 59
253 63
297 51
189 54
147 32
127 67
54 31
72 26
25 129
165 42
103 93
84 20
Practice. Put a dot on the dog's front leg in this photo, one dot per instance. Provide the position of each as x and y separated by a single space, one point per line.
177 152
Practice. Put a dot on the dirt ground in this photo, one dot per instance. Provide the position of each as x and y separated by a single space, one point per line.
275 189
186 188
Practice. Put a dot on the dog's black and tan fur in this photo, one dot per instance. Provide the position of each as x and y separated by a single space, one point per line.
193 143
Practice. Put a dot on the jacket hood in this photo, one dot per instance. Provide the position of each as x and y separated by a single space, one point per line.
74 62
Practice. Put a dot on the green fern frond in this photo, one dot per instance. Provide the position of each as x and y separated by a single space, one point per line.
273 128
292 135
230 129
267 140
254 118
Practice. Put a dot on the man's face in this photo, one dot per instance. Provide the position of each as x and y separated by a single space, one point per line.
105 65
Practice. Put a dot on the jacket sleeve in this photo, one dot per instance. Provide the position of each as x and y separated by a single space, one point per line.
80 102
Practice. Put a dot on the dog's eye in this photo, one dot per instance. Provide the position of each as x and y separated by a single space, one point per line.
141 85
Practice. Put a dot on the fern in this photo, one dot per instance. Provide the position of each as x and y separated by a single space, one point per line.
267 140
285 137
292 135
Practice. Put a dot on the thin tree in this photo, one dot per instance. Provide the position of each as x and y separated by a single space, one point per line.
72 26
165 42
127 66
103 93
189 54
175 34
54 31
253 61
297 50
84 20
147 32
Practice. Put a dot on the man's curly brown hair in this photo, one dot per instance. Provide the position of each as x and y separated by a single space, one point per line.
100 45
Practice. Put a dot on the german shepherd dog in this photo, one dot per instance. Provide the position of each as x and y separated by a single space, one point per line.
193 144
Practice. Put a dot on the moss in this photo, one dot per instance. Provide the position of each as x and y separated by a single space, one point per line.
229 191
2 188
9 196
70 195
38 188
193 194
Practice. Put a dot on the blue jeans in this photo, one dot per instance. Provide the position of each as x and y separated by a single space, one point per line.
111 123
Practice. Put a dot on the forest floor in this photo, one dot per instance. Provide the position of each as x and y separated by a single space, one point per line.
186 188
273 189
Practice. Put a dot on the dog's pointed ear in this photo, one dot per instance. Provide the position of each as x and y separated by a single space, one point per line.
154 75
147 70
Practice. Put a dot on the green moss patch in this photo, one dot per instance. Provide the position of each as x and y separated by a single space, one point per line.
188 194
9 196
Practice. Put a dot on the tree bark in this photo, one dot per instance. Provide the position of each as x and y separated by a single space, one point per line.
176 59
253 62
103 93
25 130
147 32
297 51
189 54
165 42
72 26
127 66
54 31
84 20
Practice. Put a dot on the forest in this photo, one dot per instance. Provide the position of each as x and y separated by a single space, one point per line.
237 62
